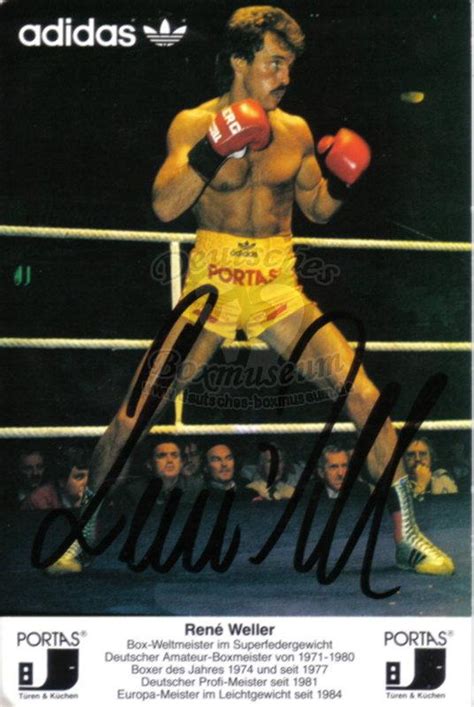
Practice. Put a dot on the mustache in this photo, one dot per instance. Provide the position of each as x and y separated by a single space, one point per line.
280 89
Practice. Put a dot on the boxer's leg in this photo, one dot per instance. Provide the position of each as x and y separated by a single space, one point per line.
414 551
119 430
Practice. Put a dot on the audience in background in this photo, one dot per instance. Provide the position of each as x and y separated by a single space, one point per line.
192 472
29 473
270 482
220 468
332 468
271 478
67 487
163 462
419 462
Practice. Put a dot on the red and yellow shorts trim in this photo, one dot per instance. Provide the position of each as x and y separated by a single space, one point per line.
255 279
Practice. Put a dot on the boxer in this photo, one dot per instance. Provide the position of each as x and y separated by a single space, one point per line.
239 162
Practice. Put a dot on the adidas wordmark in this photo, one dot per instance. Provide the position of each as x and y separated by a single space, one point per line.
63 33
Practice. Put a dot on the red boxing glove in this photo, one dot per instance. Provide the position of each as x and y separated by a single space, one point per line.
240 126
348 156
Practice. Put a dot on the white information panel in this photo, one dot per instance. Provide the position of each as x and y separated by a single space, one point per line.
324 661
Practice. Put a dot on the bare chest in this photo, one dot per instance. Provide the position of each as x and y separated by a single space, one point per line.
275 167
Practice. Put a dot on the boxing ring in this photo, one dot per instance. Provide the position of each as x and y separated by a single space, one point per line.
175 241
109 588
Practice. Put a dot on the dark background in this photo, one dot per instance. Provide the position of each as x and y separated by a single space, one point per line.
84 128
83 134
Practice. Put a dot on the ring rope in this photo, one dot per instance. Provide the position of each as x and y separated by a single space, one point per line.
174 239
184 429
163 237
143 344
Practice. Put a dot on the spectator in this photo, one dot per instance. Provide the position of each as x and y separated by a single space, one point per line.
191 471
68 487
266 488
30 473
419 461
220 467
164 462
332 468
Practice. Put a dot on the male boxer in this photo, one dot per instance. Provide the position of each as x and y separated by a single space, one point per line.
239 162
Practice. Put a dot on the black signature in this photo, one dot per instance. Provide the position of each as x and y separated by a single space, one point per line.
214 553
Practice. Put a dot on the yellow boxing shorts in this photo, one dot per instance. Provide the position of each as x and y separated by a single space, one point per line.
255 279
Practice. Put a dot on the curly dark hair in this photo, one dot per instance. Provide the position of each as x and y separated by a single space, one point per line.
244 36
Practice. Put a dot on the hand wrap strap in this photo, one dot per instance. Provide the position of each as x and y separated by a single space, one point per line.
205 160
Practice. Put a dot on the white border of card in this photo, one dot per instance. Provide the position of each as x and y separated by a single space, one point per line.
259 581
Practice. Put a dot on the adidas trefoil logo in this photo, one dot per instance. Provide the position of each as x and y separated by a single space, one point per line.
245 250
164 37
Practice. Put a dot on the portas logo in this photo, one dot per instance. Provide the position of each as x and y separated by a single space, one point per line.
429 651
164 37
429 673
62 671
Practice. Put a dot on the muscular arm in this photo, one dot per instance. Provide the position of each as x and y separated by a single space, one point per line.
177 185
311 188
